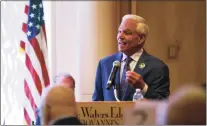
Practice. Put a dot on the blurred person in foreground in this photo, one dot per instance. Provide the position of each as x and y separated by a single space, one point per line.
138 68
64 79
59 107
187 106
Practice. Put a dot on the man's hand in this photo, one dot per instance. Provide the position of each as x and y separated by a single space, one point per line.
135 80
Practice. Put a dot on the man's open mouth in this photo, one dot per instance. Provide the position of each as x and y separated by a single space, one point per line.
123 43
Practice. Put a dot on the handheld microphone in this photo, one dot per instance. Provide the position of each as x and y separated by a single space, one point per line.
116 65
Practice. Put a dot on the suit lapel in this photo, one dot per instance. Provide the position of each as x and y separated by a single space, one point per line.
140 66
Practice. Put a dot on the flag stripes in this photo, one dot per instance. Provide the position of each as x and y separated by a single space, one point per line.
35 48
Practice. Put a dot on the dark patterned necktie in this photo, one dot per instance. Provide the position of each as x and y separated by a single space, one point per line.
124 84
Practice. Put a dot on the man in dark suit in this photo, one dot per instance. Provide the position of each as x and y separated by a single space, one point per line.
145 71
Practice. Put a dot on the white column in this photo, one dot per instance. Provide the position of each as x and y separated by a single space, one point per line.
86 33
49 16
97 38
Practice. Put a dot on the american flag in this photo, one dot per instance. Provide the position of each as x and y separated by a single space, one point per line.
35 47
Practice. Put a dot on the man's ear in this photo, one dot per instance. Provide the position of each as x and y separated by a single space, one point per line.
142 39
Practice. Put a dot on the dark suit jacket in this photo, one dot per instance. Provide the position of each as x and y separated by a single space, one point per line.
38 117
155 74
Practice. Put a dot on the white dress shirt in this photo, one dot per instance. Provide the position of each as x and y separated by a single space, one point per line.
135 58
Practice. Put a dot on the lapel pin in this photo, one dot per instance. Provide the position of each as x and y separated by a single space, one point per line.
141 65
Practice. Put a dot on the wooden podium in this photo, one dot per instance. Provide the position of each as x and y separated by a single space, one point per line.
102 113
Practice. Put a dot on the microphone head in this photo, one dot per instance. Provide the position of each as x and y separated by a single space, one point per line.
116 63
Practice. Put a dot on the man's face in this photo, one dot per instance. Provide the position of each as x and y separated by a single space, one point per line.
127 37
67 82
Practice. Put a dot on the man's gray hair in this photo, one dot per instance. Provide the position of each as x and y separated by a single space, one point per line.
65 75
142 27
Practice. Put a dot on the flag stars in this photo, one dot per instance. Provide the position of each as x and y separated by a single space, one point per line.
38 26
34 6
29 33
30 24
40 5
31 15
38 18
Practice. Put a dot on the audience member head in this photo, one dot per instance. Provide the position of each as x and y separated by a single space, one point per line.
65 79
187 106
59 103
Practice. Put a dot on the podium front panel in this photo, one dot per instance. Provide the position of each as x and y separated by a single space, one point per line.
102 113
